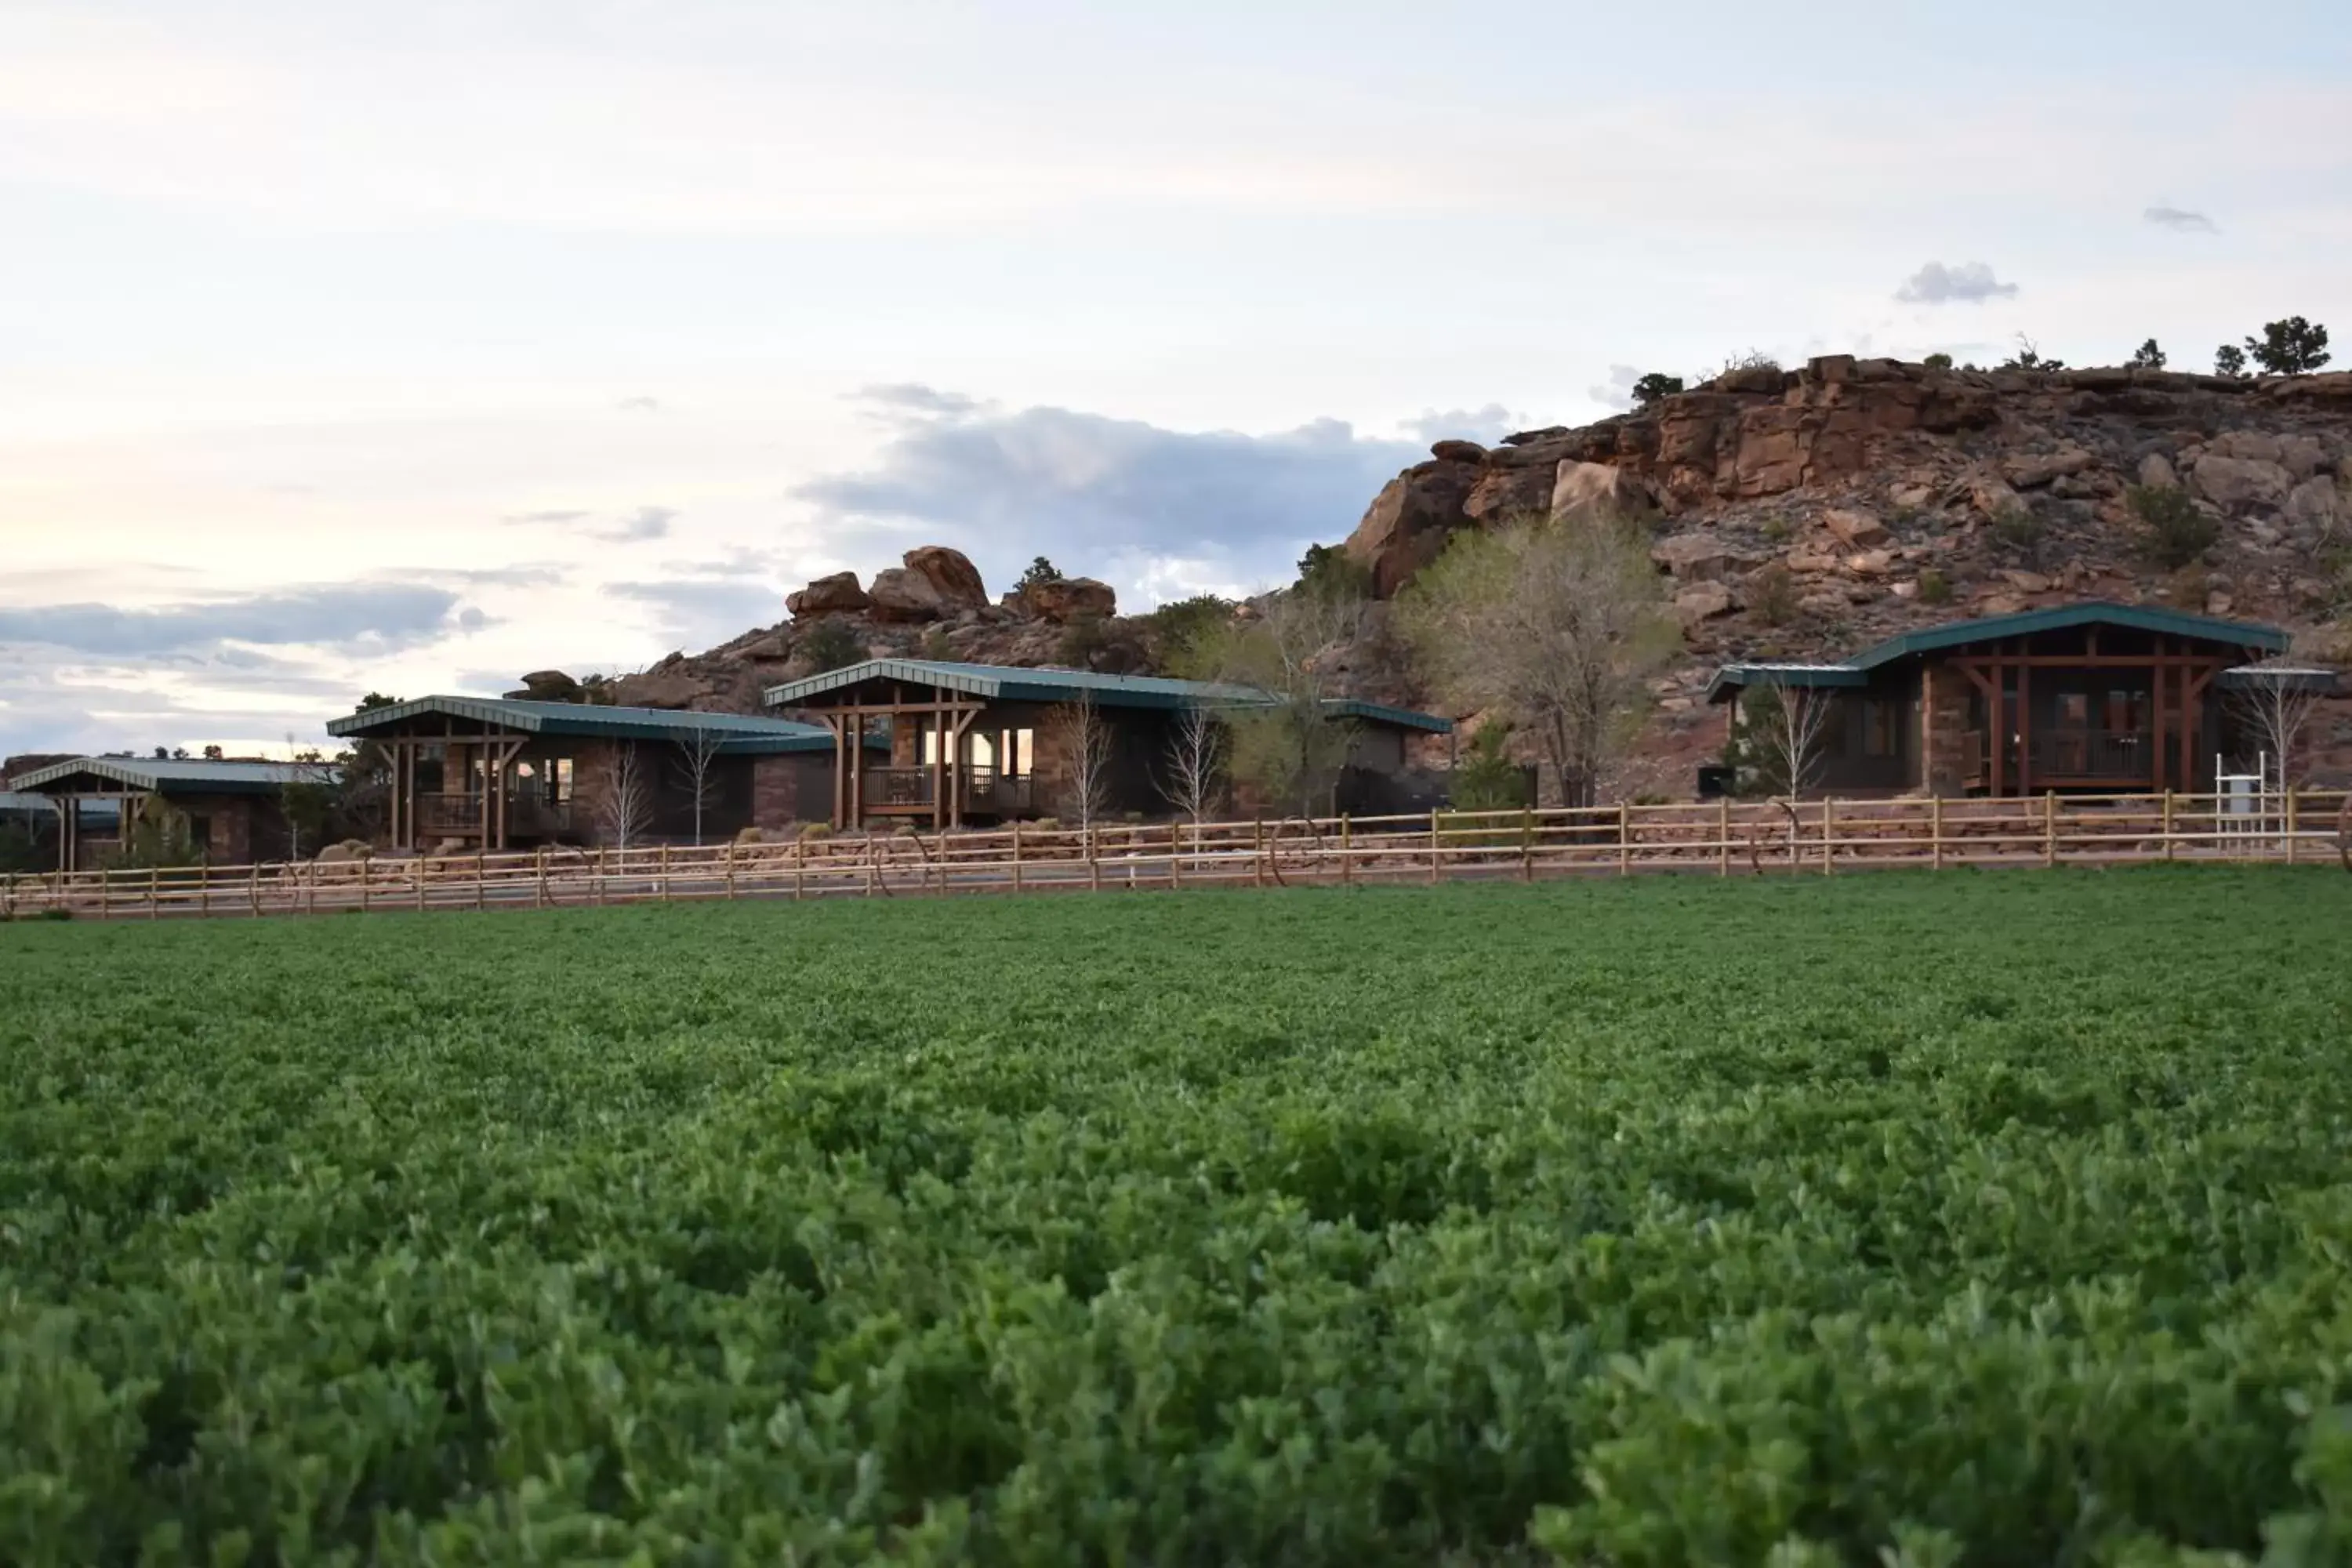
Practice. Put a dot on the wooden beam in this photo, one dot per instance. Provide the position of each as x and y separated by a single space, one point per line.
2025 729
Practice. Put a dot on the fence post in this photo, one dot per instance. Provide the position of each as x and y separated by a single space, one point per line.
1829 816
1526 844
2049 828
1624 837
1257 851
105 894
1346 850
800 868
1723 836
253 888
2290 827
1016 853
1175 852
205 889
663 872
1094 857
367 882
1936 832
1432 846
310 874
538 883
481 880
154 893
424 864
2168 825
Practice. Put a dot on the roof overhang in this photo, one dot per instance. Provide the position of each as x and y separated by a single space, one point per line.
2315 679
2245 635
170 776
1011 683
1736 678
736 734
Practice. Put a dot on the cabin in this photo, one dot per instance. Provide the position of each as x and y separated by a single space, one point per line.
226 813
976 745
463 774
2089 699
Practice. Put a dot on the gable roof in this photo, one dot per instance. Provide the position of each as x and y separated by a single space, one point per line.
2060 617
1011 683
1855 671
178 776
742 734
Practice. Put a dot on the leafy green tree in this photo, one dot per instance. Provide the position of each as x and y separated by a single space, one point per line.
1556 627
1177 626
2291 347
1938 362
1486 779
2230 360
1656 386
2147 356
1040 571
1328 572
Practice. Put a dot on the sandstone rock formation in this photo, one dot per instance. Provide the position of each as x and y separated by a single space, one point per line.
1064 599
839 594
951 573
901 595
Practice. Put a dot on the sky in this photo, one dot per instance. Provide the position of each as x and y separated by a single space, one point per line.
408 348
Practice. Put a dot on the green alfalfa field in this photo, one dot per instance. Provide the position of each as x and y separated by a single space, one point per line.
1998 1218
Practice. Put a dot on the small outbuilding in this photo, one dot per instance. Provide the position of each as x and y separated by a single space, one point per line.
228 813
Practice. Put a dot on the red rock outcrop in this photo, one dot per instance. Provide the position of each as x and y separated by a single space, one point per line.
837 595
951 573
1062 599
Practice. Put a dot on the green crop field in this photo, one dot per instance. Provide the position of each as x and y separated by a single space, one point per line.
1998 1218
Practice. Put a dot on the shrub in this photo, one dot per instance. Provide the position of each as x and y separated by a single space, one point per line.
1177 629
1654 387
1935 588
2018 527
1772 595
1778 528
2230 360
831 644
1040 571
1328 573
1486 779
1938 362
816 830
2173 529
2147 356
935 646
1082 640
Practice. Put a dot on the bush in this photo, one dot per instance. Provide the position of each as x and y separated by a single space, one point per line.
1040 571
831 644
1178 628
810 830
1486 779
935 646
2230 360
1935 588
2174 530
1938 362
2147 356
1654 387
2291 347
1328 573
2018 527
1772 596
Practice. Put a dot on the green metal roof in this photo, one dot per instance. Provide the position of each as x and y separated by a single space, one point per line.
2099 613
1009 683
178 776
744 734
1991 629
1738 677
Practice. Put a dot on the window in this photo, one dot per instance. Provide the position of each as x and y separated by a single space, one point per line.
1020 753
983 751
200 833
2126 712
2075 710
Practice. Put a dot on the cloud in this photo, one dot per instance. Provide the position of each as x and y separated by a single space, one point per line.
637 405
632 528
912 397
1116 498
1970 282
1618 393
698 612
1488 424
373 618
2180 220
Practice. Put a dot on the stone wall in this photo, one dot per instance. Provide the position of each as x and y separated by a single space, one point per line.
1943 729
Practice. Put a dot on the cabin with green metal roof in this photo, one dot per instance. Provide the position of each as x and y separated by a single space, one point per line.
2092 698
467 773
979 744
227 812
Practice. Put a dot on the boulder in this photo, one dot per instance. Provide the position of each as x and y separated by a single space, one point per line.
669 688
2246 445
551 685
2028 472
902 595
2314 504
1693 557
1993 495
1854 527
1409 522
1458 452
837 595
1871 563
2238 484
2155 472
1067 598
2302 456
1702 602
1594 489
951 573
1509 490
2026 582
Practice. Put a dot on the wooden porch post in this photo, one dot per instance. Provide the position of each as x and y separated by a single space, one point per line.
858 771
942 770
2161 770
1997 729
2024 730
840 769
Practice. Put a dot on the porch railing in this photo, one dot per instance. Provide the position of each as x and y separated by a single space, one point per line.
459 815
985 790
2103 756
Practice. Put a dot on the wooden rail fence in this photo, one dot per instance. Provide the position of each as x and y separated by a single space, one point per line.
1723 838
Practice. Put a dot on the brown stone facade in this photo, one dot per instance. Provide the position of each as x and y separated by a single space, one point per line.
1943 729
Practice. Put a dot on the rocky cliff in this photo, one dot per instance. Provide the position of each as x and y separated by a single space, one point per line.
1805 514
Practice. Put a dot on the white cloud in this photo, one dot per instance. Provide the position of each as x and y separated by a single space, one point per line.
2179 220
1969 283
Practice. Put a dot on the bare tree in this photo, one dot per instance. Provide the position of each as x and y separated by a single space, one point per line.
1782 727
1196 762
1284 662
700 746
306 799
624 795
1556 627
2271 709
1082 740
